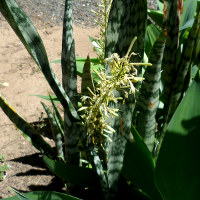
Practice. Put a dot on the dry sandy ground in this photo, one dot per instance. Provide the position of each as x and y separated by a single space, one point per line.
24 79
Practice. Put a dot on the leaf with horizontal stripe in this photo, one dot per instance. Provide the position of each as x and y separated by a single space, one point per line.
126 20
148 101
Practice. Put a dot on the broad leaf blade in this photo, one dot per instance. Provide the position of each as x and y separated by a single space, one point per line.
152 33
139 166
69 79
189 10
74 174
178 163
68 59
156 16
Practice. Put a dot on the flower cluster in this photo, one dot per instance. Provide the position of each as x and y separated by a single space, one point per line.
96 105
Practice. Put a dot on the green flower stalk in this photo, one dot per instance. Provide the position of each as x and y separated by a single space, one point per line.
102 16
96 105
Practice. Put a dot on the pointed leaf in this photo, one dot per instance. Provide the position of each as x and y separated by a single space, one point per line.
27 33
26 129
57 135
19 195
68 59
185 61
87 81
172 16
54 98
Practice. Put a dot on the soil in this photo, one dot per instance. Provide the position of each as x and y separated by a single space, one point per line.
25 79
17 68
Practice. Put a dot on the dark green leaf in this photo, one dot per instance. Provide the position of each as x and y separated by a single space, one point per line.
172 16
156 16
152 33
178 163
74 174
87 81
139 166
183 66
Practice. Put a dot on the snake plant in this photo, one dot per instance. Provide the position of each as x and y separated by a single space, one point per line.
138 118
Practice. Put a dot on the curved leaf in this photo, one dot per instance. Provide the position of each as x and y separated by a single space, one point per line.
189 9
27 130
74 174
156 16
139 166
27 33
178 163
152 33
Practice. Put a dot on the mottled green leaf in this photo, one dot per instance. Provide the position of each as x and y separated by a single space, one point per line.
149 94
57 134
27 33
127 19
183 66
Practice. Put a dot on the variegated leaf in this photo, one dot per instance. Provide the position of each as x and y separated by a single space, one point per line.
29 36
149 94
183 66
71 129
57 135
172 16
127 19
